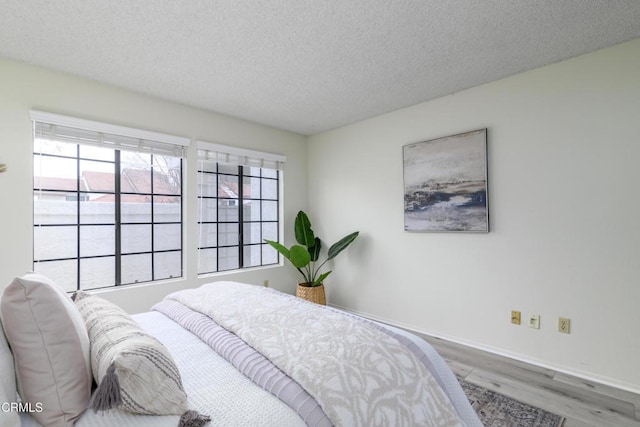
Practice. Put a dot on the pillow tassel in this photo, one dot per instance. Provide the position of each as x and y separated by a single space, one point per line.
193 419
107 395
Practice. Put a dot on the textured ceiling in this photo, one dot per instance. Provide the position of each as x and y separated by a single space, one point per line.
307 65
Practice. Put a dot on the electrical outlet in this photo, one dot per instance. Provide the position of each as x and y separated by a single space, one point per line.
564 325
534 321
265 283
515 317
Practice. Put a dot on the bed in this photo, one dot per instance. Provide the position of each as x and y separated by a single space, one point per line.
247 355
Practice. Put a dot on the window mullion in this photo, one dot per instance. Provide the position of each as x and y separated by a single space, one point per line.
118 217
240 217
218 229
181 225
261 216
153 270
78 217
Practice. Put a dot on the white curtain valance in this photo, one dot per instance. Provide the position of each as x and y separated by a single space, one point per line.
80 131
219 153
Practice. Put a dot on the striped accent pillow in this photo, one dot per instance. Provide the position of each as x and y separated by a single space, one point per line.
133 369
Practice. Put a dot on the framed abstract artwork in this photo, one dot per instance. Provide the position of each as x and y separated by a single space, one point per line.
445 184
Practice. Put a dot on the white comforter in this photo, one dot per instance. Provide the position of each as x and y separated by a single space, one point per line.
359 374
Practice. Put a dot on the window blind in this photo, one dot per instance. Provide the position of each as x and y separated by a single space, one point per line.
56 127
218 153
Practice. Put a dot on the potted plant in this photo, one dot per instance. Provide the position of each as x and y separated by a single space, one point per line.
305 257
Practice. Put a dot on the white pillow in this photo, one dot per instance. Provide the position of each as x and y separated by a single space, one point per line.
50 345
8 416
8 393
7 372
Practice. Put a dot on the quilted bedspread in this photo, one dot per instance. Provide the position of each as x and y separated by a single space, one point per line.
359 375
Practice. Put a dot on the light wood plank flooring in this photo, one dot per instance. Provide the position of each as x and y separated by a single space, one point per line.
581 402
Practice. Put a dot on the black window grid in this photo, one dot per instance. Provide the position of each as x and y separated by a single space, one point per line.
241 245
117 193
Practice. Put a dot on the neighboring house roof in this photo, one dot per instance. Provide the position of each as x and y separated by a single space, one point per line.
130 198
133 181
50 183
98 181
139 180
230 190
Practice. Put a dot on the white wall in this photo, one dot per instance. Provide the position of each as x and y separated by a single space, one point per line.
563 149
563 175
24 87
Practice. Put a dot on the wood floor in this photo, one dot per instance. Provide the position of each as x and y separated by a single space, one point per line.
582 403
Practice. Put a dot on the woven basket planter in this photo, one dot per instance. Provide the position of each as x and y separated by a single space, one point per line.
311 293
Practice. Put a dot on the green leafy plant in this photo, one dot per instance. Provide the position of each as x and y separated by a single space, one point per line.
305 255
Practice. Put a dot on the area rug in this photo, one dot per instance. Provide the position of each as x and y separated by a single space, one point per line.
497 410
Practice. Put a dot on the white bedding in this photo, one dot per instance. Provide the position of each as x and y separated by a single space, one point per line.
446 378
214 387
357 372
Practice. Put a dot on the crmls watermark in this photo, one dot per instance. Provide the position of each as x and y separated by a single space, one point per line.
28 407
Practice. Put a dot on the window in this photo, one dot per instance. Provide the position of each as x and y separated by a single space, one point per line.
107 206
238 207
